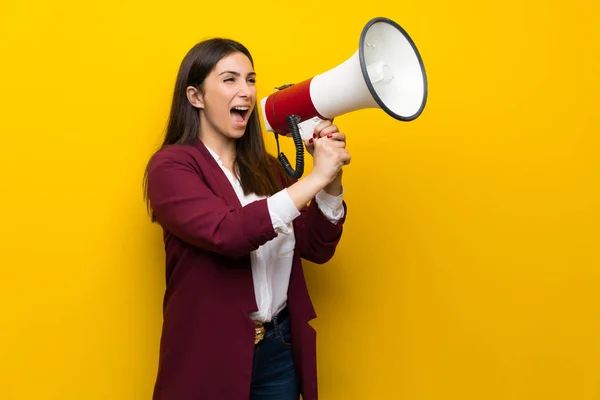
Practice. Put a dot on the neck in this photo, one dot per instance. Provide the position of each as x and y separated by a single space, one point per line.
224 147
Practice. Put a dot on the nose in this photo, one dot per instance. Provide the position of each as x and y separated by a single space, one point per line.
244 90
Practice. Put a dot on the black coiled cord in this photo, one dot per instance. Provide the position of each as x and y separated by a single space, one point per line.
292 121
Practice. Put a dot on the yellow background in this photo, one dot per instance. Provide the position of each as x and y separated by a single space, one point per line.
470 262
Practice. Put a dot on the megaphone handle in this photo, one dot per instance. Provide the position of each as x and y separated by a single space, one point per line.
292 121
307 127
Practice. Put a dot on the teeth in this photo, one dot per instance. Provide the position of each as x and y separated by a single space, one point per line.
241 108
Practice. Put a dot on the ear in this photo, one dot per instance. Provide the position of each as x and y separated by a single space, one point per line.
194 97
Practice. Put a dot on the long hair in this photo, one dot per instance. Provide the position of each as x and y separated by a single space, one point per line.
253 164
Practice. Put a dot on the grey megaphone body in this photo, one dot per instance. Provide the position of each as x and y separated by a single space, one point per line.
386 72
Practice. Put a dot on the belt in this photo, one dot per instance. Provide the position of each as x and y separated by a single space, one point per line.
262 328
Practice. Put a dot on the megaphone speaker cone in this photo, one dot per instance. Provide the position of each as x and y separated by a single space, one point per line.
393 69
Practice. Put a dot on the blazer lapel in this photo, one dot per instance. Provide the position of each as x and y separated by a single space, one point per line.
219 182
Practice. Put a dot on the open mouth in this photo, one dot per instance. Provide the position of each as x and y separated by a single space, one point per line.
240 114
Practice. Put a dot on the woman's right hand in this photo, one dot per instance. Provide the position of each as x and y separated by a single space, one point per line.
328 148
329 155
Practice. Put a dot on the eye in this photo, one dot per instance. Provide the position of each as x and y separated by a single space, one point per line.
252 80
230 79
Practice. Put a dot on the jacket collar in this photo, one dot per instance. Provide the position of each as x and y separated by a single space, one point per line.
219 182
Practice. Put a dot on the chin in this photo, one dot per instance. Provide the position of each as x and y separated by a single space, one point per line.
236 133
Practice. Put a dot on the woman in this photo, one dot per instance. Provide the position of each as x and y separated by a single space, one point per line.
236 306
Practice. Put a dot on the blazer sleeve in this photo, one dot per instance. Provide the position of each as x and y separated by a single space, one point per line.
185 205
316 237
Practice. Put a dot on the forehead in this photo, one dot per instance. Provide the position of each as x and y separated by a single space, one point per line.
237 62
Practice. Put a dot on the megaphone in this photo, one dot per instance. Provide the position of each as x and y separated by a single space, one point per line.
386 72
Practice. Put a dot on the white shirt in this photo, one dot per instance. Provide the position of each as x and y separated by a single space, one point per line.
272 262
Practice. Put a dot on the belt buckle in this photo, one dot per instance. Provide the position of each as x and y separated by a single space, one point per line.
259 332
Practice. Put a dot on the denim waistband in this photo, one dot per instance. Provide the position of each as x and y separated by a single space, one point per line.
283 314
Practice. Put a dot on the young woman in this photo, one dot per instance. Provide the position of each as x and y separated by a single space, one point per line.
236 305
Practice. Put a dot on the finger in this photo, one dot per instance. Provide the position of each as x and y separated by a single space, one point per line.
319 128
337 136
331 129
346 158
336 144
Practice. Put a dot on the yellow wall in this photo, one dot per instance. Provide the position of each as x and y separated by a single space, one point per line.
469 267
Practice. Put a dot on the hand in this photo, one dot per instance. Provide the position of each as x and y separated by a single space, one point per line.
324 128
328 148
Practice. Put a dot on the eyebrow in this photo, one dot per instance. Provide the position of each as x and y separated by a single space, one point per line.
237 73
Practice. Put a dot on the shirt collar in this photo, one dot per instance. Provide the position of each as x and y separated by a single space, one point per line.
215 155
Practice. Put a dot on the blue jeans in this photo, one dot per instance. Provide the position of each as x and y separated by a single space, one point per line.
273 372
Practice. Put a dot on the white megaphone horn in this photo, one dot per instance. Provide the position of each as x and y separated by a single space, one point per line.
385 72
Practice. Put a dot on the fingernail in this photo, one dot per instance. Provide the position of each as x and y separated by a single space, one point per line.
310 140
314 135
329 136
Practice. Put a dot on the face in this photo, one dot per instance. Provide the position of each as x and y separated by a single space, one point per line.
228 96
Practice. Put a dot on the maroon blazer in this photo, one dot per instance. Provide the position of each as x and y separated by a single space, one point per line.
207 343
